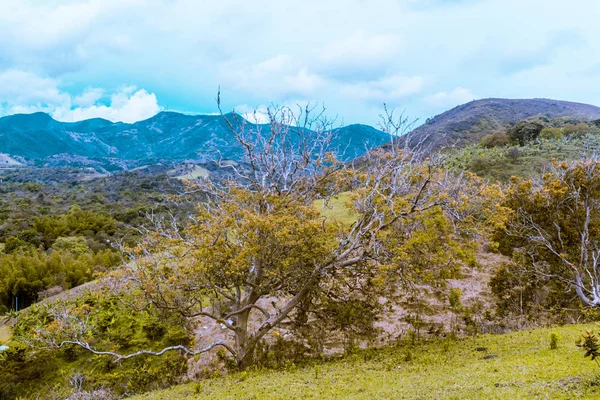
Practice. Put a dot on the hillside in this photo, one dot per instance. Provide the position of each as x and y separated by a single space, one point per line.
469 122
517 365
168 136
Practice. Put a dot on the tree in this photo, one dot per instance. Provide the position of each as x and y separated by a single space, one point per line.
525 131
554 230
258 239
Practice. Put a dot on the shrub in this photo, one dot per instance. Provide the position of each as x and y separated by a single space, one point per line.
576 129
589 342
551 133
553 341
495 139
12 244
526 131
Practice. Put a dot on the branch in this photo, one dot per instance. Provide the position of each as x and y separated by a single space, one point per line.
119 357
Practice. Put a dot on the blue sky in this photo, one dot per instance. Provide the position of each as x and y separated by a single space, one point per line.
126 60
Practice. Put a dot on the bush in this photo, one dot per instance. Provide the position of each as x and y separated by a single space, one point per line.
526 131
551 133
12 244
589 342
579 129
553 341
495 139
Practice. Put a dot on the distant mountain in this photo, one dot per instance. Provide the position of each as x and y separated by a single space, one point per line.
168 136
469 122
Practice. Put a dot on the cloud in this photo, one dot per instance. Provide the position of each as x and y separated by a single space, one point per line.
89 97
450 99
126 105
26 92
279 76
359 55
389 88
27 89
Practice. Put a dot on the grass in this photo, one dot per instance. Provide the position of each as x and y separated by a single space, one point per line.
337 208
194 173
523 367
4 333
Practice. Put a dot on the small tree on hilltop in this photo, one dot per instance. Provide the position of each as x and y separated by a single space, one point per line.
259 253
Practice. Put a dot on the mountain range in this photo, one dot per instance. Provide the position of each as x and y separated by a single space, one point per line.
169 137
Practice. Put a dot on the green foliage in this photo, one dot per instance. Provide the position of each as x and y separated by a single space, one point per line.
495 139
24 274
553 223
553 341
28 370
517 292
72 244
526 131
454 298
13 243
578 129
530 160
590 343
551 133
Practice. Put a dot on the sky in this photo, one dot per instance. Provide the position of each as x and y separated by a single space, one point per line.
126 60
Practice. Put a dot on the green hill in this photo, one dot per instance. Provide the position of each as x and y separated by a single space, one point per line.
468 123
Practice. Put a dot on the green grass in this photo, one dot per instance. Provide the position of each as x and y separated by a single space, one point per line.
4 333
337 208
524 368
195 173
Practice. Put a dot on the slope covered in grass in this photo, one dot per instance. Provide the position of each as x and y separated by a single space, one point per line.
501 163
512 366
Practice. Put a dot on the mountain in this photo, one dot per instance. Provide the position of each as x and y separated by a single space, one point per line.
168 136
469 122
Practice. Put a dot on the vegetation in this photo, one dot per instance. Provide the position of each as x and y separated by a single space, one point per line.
527 161
290 254
512 366
26 371
259 236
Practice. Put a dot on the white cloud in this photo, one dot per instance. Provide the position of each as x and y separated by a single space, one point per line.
393 87
450 99
258 116
27 89
359 54
89 97
279 76
26 92
126 105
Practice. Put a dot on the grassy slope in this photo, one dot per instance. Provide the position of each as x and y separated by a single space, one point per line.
525 367
529 160
337 209
4 333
